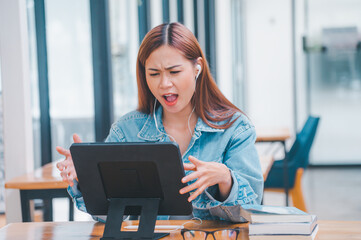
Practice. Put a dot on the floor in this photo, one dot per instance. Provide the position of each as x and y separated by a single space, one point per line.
330 193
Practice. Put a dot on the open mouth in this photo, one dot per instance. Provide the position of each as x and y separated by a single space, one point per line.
170 99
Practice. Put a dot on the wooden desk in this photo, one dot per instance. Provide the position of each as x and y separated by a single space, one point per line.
272 134
46 177
328 230
44 183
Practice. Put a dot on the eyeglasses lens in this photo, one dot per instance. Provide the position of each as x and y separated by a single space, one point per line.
228 234
190 235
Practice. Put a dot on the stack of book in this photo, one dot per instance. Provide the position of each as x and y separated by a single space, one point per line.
275 222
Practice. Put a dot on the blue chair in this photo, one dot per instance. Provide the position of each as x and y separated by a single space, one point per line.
297 161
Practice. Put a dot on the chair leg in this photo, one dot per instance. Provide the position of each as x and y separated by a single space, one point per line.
296 192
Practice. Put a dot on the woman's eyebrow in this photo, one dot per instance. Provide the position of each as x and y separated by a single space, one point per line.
168 68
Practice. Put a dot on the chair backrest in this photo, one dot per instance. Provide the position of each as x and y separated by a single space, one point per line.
298 156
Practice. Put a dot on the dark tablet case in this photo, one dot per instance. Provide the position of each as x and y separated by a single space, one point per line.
130 170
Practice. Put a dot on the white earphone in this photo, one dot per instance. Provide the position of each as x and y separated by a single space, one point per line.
199 70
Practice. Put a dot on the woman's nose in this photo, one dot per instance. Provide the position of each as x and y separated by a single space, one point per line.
165 81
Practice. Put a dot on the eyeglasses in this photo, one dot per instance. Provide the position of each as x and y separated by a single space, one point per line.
223 234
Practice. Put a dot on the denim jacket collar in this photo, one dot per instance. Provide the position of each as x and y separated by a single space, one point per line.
149 131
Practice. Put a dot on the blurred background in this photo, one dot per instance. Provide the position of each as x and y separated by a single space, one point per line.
279 61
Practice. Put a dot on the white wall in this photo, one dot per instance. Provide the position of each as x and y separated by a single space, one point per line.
14 53
269 62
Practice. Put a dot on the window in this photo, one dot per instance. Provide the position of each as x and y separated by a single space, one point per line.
334 78
69 73
124 48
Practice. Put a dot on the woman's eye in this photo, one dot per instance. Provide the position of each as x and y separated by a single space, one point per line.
154 74
174 72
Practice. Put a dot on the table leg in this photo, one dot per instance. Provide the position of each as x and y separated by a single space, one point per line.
285 172
71 209
25 206
48 210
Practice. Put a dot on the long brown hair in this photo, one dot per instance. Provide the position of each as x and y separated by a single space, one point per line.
210 104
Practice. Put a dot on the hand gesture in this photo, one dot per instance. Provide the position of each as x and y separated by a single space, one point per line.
66 167
207 174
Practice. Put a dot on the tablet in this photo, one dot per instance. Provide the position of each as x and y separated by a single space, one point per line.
130 170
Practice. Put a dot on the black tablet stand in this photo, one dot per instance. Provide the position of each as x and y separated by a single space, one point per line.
148 217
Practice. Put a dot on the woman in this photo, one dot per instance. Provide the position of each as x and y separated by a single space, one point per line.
179 101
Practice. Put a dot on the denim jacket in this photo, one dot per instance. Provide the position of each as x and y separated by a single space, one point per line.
233 147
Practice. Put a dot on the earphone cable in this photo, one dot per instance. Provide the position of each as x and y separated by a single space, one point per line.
156 124
189 118
190 221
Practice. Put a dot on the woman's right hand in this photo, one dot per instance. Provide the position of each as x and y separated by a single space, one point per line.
66 167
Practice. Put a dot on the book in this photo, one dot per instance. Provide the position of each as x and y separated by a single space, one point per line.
311 236
264 213
304 228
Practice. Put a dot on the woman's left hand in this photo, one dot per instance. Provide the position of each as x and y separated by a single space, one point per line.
207 174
